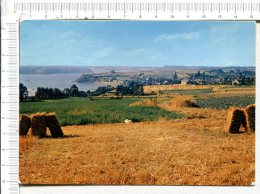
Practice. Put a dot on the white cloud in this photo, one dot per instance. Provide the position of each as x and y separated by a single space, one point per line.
224 35
226 30
134 52
68 34
174 37
104 52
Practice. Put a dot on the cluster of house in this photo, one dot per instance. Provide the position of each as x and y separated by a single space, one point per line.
218 76
210 77
148 80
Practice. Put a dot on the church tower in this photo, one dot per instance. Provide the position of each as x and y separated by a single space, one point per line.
175 77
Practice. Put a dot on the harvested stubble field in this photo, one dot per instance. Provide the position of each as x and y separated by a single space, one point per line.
194 150
156 89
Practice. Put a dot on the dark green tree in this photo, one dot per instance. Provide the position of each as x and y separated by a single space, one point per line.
57 93
66 92
23 92
74 90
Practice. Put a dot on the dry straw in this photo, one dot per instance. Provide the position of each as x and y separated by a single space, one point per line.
147 102
24 124
250 117
184 101
38 124
235 119
243 120
53 124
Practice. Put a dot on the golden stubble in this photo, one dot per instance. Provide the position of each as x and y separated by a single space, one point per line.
195 150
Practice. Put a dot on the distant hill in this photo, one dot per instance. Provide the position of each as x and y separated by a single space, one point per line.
79 69
120 69
86 78
53 70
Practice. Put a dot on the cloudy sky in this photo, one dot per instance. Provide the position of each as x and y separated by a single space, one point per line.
136 43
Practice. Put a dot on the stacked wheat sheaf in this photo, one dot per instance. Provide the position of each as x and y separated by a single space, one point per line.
241 118
39 123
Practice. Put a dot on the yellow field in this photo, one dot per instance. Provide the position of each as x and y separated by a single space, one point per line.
225 91
195 150
218 90
149 89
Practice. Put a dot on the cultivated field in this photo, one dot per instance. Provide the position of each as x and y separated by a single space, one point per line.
82 111
175 145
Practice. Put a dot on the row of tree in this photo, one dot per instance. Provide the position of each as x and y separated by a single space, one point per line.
129 88
49 93
55 93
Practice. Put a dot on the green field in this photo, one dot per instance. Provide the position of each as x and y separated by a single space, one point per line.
81 111
225 102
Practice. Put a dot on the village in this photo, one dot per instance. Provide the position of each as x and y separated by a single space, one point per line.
216 76
210 77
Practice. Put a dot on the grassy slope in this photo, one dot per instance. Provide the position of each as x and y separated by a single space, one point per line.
80 111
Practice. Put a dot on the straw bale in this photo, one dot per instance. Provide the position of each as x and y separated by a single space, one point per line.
53 124
38 124
24 124
235 119
244 120
250 117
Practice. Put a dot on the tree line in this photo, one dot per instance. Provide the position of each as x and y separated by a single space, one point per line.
55 93
131 88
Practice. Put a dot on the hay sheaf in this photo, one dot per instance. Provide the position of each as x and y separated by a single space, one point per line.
250 117
24 124
53 124
38 124
235 120
244 126
147 102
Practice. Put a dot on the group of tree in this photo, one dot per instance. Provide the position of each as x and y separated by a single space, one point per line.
55 93
132 88
49 93
101 90
23 93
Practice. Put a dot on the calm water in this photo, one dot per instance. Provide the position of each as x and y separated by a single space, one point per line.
61 81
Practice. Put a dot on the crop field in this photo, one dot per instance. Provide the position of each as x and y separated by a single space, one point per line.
168 143
225 102
81 111
157 88
229 91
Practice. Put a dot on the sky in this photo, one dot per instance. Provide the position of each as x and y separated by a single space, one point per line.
137 43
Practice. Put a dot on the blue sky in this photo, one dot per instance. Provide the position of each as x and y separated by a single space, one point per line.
137 43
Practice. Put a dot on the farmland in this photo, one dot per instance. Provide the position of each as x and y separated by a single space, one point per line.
167 144
225 102
187 92
81 111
